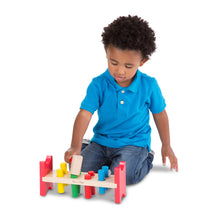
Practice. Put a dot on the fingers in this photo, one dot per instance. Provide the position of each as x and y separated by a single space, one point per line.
177 167
173 160
69 153
164 160
68 156
163 156
168 152
174 163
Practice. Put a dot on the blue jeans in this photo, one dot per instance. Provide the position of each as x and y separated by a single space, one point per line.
138 160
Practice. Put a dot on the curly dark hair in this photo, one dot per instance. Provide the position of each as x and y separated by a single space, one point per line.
132 33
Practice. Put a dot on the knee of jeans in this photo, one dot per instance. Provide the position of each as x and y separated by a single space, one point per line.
130 179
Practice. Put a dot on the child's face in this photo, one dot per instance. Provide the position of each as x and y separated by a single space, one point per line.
123 64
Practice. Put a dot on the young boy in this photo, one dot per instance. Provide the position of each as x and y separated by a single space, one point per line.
123 97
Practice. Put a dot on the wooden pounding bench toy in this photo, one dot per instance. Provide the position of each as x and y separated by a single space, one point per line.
76 178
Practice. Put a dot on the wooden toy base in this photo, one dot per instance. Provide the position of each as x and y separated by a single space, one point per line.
66 179
48 176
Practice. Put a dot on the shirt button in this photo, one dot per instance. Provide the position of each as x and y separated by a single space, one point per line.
123 91
122 102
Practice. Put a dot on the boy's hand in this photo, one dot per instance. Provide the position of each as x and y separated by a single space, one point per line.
167 151
69 153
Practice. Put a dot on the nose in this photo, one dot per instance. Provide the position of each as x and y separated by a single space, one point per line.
120 71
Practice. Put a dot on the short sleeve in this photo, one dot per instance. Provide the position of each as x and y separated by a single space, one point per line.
91 100
157 100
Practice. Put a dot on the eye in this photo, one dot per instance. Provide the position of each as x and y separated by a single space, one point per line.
114 64
128 66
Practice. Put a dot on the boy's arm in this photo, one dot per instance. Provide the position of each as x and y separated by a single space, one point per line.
79 129
162 123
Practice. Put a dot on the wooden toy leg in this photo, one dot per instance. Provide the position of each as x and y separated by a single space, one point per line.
122 165
120 180
45 167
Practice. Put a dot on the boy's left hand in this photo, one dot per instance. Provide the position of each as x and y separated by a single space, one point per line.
167 151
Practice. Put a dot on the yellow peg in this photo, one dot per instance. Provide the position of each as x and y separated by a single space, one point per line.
60 185
63 167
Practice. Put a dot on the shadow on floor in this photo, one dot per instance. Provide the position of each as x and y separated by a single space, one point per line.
160 168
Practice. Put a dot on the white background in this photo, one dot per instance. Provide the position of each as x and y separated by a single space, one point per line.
50 51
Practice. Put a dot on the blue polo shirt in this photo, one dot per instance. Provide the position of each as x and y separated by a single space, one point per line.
123 111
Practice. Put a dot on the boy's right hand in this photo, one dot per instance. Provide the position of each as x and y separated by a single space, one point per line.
69 153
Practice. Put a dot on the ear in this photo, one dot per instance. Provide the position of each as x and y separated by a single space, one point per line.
143 61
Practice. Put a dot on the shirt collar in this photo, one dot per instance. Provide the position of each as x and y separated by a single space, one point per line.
134 85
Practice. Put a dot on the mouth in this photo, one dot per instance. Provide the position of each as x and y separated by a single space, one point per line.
119 78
